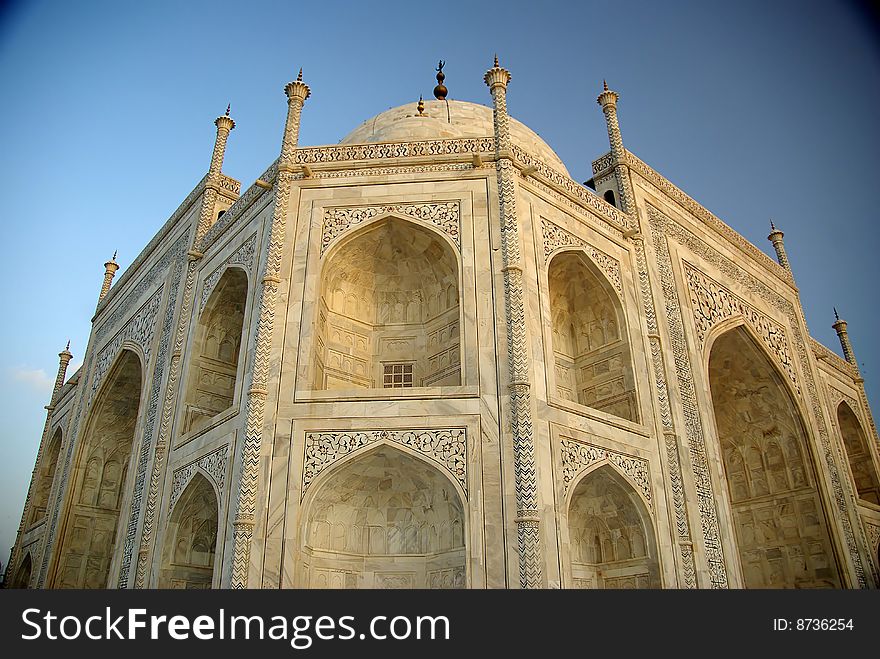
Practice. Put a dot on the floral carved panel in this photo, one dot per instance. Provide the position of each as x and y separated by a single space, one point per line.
556 237
577 456
213 464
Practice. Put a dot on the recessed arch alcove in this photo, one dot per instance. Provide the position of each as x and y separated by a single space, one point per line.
213 371
858 454
611 536
384 519
22 578
388 310
779 521
593 362
99 480
45 476
190 544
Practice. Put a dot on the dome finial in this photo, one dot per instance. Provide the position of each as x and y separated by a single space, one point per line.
67 347
836 317
421 106
299 76
772 226
440 90
496 61
605 85
228 108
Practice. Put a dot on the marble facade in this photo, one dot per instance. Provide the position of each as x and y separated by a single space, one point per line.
427 357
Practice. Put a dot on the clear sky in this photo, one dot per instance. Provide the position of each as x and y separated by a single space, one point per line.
758 110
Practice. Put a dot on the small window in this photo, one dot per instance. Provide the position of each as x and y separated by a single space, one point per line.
398 376
609 197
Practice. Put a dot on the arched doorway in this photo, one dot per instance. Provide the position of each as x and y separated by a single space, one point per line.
611 538
45 477
779 521
99 480
858 454
213 370
388 311
191 538
22 578
590 344
385 519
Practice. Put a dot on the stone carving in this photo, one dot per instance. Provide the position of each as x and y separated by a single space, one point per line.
577 456
382 150
152 397
447 447
713 303
139 329
584 195
243 209
556 237
228 185
213 464
693 420
662 226
873 533
338 219
244 255
603 163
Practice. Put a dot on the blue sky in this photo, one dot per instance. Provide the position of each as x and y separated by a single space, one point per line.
758 110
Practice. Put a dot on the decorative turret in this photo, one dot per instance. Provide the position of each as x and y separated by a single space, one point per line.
608 101
840 327
64 358
776 238
297 93
224 124
110 268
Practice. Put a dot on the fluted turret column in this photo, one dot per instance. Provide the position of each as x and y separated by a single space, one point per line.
243 524
224 124
110 268
608 101
64 358
775 237
519 389
840 327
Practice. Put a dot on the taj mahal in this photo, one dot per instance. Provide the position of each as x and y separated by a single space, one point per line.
426 357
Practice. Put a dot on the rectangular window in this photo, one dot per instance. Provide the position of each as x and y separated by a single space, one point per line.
398 376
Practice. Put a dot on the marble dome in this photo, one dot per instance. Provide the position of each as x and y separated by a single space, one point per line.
463 119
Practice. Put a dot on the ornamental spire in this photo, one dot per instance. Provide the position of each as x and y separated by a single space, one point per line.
440 90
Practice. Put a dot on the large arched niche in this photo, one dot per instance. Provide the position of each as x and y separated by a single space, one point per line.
858 454
190 545
611 537
778 517
45 476
22 578
590 345
213 371
388 311
100 477
384 519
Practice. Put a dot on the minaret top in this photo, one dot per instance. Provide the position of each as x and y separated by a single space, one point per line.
607 97
497 76
66 352
112 264
297 89
440 90
224 120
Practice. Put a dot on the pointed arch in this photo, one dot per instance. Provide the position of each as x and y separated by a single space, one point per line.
780 524
214 367
384 518
22 578
858 454
99 481
45 477
190 547
611 534
388 313
591 349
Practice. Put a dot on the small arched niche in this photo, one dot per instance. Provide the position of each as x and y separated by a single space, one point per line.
611 538
213 371
388 311
778 515
858 454
191 538
22 578
385 519
45 476
590 345
101 473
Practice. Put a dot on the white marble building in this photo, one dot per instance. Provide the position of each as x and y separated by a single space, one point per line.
427 357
